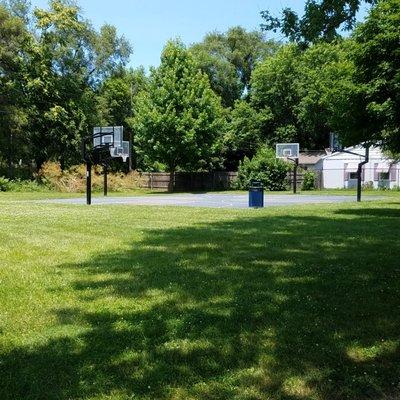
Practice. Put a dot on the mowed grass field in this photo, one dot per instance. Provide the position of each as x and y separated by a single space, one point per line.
122 302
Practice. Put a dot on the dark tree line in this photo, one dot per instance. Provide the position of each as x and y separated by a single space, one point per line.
206 106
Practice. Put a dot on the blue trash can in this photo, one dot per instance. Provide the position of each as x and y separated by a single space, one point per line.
256 194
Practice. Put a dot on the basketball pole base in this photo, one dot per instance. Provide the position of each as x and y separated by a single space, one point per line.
88 183
296 164
105 172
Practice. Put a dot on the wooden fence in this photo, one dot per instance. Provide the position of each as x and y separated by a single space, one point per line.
188 181
203 181
300 177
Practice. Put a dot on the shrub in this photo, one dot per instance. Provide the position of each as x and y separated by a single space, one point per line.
50 172
26 186
264 167
18 185
73 180
4 184
368 185
308 180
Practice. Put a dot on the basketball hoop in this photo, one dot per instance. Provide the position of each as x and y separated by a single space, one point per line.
290 151
105 143
287 150
121 151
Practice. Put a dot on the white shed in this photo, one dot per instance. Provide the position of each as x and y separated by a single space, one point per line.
339 170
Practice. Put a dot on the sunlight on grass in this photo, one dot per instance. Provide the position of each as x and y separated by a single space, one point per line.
296 387
378 350
185 303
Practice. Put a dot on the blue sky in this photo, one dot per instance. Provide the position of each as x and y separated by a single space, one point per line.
148 24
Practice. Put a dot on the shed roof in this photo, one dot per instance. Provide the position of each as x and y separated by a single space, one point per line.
375 153
311 157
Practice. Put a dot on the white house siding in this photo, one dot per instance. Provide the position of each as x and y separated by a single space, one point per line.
338 169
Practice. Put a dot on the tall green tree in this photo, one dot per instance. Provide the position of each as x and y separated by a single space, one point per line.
178 119
368 109
274 86
14 41
116 101
298 86
322 20
246 132
18 8
68 61
323 70
117 94
229 59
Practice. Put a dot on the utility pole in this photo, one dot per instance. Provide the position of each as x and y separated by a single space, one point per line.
130 160
10 156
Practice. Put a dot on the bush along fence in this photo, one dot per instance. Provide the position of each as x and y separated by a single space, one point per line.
307 180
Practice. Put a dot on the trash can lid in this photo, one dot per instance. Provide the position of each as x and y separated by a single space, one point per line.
257 184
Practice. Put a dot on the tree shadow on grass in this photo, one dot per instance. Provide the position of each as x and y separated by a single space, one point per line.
372 212
257 308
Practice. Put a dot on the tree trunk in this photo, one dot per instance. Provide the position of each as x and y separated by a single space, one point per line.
39 161
171 183
10 156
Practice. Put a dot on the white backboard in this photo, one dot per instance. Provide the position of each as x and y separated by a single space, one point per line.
287 150
120 151
111 136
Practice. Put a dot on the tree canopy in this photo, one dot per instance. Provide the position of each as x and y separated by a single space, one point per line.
13 37
57 62
229 59
208 105
322 20
178 118
296 87
368 110
116 96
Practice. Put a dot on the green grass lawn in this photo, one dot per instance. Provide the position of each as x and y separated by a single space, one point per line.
122 302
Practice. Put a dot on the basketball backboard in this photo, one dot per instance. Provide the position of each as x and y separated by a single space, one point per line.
95 148
287 150
120 151
107 136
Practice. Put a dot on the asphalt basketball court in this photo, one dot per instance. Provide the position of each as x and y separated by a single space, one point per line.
212 200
